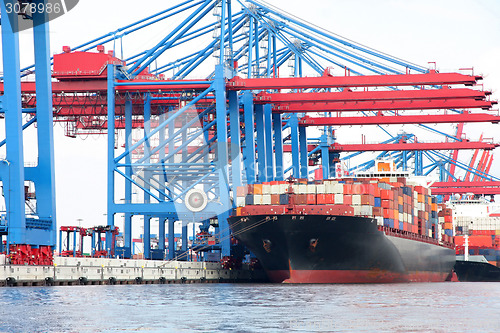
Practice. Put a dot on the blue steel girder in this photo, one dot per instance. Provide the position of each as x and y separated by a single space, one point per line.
171 38
39 229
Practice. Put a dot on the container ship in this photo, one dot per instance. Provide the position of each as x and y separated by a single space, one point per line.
378 227
475 223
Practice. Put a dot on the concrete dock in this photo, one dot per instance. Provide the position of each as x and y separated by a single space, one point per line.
98 271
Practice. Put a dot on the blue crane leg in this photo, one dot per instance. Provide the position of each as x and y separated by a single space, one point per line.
16 217
268 127
222 159
278 145
45 180
234 126
111 153
261 143
249 149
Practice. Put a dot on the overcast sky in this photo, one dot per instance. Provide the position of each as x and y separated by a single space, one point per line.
453 33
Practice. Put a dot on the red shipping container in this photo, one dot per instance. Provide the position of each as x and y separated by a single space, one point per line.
479 240
321 199
275 199
377 211
347 189
301 199
330 198
356 188
386 195
367 199
250 189
311 199
386 203
347 199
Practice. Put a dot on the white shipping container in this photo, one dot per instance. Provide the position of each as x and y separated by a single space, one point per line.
283 188
266 199
328 187
2 259
240 202
302 189
257 199
339 199
320 189
338 188
295 188
380 220
275 189
366 210
356 200
266 189
311 189
357 210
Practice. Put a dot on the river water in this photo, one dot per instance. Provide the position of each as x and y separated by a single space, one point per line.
416 307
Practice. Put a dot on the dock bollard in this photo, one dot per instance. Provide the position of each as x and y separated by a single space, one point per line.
10 281
49 281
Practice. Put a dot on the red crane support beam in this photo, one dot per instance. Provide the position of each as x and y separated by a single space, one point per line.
388 120
412 146
459 190
98 110
431 78
466 184
384 105
71 100
460 128
481 165
350 96
402 146
82 86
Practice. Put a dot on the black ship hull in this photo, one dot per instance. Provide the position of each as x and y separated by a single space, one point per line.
338 249
473 271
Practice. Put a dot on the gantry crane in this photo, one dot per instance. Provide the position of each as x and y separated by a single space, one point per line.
193 132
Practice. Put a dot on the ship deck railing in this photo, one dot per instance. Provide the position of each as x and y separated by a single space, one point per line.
410 235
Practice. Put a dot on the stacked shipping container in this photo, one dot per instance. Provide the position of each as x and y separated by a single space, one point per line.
481 242
394 202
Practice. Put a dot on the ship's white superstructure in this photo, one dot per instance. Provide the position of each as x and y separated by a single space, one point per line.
475 214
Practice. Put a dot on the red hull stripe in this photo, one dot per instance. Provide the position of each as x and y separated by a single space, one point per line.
353 276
